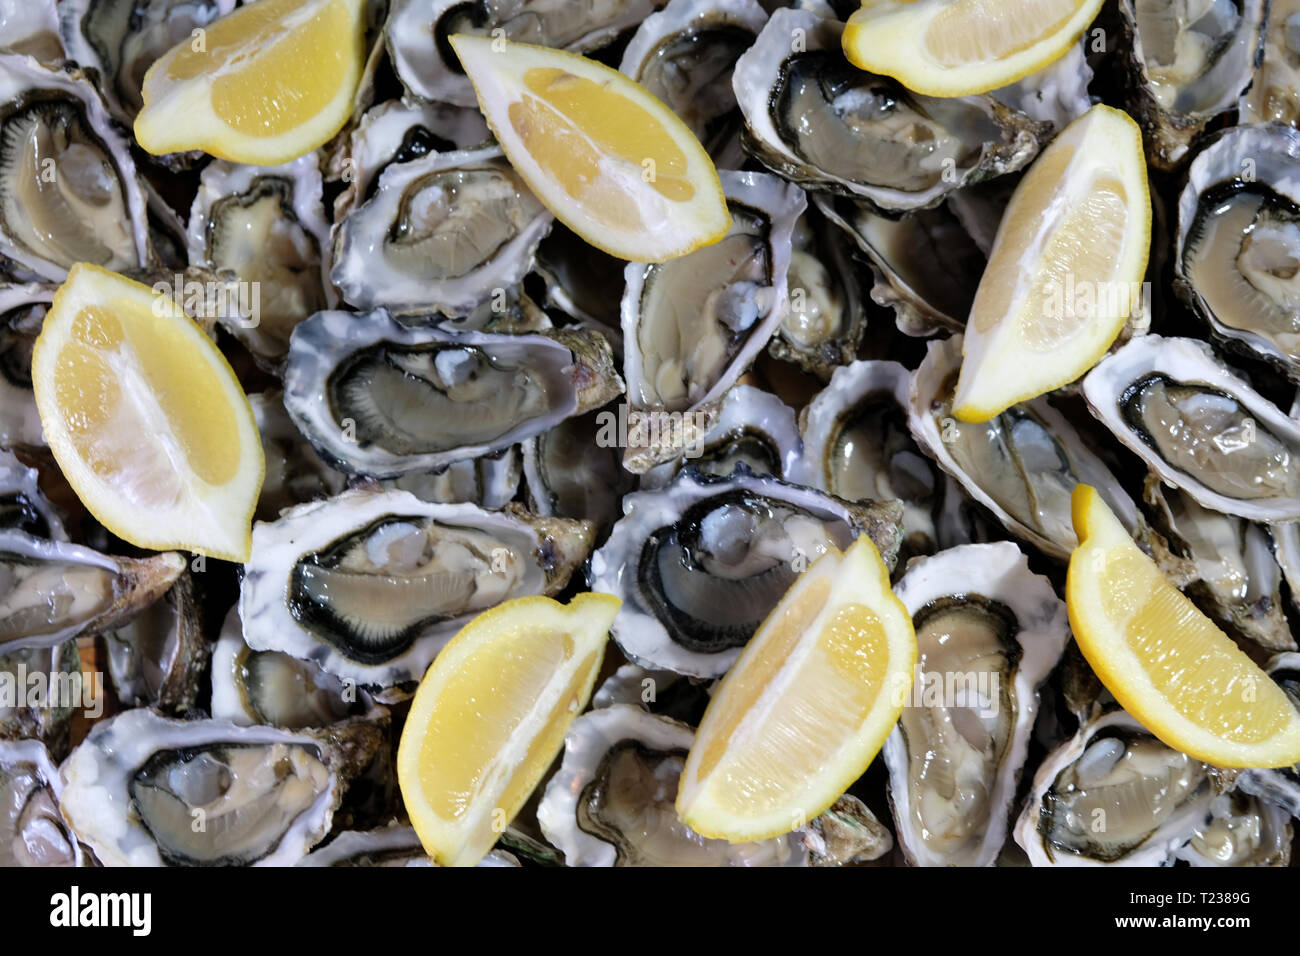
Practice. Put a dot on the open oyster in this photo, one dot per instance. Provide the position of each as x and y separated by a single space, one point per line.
393 845
160 656
371 585
70 192
1021 465
818 120
32 829
1274 96
1240 830
294 472
1188 61
31 27
574 470
1238 246
1113 795
445 231
381 398
988 632
418 32
142 790
1199 426
489 481
22 310
48 720
684 55
701 562
692 325
23 506
265 225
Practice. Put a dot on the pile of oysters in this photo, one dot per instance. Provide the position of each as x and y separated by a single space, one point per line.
454 391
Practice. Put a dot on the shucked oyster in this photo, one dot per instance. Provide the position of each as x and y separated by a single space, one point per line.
158 658
1237 255
444 232
371 585
1274 96
381 398
68 182
489 481
418 32
1199 426
692 325
700 563
32 830
815 118
988 633
574 470
142 790
22 311
1240 830
46 718
31 27
1113 794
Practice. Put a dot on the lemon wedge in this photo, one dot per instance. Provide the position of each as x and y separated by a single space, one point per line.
1065 271
960 47
1165 662
265 84
613 163
145 417
490 715
807 705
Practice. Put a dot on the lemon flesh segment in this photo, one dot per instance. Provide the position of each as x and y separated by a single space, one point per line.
807 705
611 161
1065 271
961 47
490 716
1164 661
265 84
145 417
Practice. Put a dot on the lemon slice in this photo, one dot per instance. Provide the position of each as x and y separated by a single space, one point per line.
1065 270
1165 662
611 161
145 418
265 84
807 705
960 47
490 715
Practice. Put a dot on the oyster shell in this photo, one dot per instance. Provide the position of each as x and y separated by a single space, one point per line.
573 471
1113 795
1199 426
1238 242
142 790
70 192
380 398
988 633
1056 94
701 562
444 231
160 656
1021 465
369 586
430 70
582 281
393 845
22 311
23 506
489 481
684 55
1274 96
265 225
1188 61
23 714
816 119
32 829
692 325
1280 786
294 472
31 27
1240 830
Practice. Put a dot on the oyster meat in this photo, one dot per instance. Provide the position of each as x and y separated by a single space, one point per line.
1274 96
32 829
22 311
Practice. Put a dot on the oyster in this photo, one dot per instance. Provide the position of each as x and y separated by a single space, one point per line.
573 471
1238 580
816 119
70 192
32 830
294 472
1021 465
1274 96
489 481
754 427
582 281
265 225
1188 61
445 231
665 693
51 591
1237 254
1240 830
684 55
380 398
692 325
142 790
22 311
159 657
393 845
121 39
701 562
25 713
1199 426
370 585
1115 795
418 32
988 633
1056 94
23 507
269 687
857 446
31 27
